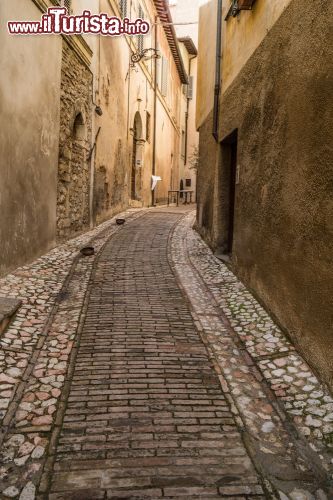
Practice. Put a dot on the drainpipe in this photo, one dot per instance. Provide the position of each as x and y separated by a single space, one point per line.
155 111
217 71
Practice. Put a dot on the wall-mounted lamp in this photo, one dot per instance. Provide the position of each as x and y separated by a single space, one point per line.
136 57
238 5
98 111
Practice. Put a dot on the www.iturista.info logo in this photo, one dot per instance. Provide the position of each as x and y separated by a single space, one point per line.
57 21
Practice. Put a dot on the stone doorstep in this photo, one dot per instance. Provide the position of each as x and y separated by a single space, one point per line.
8 308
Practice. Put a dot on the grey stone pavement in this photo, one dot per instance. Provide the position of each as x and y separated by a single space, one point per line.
149 371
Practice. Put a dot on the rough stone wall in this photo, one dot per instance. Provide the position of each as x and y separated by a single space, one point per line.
281 104
74 145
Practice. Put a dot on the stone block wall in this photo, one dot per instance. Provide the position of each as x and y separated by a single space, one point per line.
74 145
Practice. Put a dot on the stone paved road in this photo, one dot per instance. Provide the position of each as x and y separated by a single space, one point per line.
146 416
149 371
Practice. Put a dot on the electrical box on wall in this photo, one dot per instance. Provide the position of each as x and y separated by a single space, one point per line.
238 174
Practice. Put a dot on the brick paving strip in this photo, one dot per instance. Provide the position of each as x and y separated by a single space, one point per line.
35 351
284 410
106 385
145 415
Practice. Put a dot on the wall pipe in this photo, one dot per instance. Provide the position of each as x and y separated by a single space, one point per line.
217 89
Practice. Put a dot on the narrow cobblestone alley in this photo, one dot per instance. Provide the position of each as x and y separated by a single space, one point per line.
155 373
166 231
146 415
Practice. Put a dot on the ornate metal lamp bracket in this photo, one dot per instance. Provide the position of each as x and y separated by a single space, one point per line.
136 57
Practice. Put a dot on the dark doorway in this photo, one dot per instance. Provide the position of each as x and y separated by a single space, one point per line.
181 188
136 158
229 165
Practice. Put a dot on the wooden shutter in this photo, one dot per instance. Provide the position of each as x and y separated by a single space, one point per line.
190 87
165 71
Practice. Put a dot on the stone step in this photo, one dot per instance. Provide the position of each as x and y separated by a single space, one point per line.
8 308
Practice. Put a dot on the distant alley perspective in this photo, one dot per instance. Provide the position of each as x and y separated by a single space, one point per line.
166 264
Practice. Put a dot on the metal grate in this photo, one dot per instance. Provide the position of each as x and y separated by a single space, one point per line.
67 4
123 8
140 37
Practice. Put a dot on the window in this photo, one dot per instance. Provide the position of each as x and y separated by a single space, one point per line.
141 15
188 183
183 144
148 126
123 8
158 68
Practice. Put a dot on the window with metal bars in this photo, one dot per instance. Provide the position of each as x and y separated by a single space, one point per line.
141 15
123 8
67 4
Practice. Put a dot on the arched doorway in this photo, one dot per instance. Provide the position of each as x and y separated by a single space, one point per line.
137 159
73 179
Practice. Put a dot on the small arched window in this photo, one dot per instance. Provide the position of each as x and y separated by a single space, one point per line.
79 129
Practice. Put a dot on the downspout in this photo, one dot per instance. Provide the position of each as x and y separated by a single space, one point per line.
217 89
155 111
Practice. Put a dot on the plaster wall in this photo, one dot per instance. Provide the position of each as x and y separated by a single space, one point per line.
280 103
29 135
206 61
242 35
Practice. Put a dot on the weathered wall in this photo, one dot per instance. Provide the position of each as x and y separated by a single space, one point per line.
281 104
207 191
188 107
246 32
206 59
74 145
123 92
29 132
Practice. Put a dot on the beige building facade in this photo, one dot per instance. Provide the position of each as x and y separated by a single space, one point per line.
86 122
185 15
139 131
266 166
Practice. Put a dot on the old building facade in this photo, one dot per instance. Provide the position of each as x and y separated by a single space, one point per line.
266 166
87 121
185 15
139 131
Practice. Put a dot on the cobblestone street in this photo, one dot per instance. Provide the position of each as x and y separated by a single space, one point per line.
149 371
